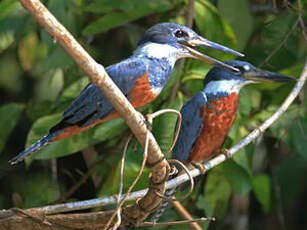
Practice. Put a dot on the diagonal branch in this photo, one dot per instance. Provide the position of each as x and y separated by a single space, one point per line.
97 75
195 172
41 218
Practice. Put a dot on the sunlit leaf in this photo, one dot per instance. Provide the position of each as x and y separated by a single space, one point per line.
217 192
262 189
10 114
212 26
229 10
164 126
27 50
238 177
58 58
114 19
6 8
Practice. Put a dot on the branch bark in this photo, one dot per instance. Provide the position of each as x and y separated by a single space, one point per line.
97 75
195 172
41 218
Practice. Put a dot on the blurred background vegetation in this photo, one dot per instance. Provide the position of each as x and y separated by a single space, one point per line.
262 187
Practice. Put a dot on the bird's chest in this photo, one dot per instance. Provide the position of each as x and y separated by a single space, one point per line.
149 86
218 117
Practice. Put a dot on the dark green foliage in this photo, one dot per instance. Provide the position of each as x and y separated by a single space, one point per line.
38 80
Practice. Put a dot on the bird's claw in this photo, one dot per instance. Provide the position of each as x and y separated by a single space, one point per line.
225 152
148 122
200 166
173 171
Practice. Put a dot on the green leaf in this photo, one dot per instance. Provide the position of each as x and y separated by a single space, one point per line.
298 136
110 129
244 158
107 6
217 192
291 178
10 114
282 127
164 126
58 58
206 205
212 26
237 177
133 162
115 19
37 191
262 189
6 8
245 105
229 10
274 33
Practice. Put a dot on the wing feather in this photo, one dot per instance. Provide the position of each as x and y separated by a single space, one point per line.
192 124
91 104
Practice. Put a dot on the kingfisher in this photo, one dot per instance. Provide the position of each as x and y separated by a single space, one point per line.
209 115
141 77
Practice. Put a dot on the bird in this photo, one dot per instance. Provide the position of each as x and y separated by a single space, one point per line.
141 77
208 116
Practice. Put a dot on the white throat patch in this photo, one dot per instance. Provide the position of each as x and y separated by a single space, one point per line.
229 86
155 50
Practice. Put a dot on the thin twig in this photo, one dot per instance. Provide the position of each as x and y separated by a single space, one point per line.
172 223
178 125
186 170
300 18
145 154
185 214
121 184
94 218
195 172
98 76
82 180
268 58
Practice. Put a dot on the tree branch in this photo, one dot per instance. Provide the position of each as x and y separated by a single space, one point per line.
40 218
73 206
97 74
10 219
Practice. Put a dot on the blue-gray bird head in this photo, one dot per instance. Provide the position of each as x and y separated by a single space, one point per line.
184 40
247 74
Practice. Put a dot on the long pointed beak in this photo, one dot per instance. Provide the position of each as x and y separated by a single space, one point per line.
207 59
263 76
200 41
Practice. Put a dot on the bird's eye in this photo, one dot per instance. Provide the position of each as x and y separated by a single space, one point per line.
181 33
246 67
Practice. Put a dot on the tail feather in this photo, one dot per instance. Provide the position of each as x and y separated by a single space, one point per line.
34 147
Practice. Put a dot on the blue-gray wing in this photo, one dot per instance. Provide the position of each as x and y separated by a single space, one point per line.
192 124
91 104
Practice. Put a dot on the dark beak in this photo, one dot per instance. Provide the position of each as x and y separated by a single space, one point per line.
200 41
263 76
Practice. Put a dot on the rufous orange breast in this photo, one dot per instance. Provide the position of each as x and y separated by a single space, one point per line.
218 117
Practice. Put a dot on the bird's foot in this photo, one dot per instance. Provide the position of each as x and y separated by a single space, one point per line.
148 122
199 166
173 171
225 152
